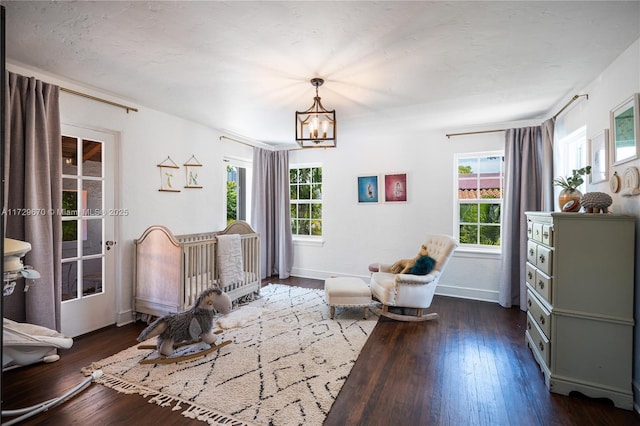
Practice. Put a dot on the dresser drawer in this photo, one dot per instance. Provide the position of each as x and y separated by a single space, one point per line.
537 231
540 315
539 341
547 235
532 251
543 285
530 275
544 259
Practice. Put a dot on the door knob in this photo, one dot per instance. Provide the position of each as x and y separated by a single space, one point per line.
109 244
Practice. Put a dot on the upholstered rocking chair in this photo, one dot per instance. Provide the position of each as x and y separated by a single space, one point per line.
411 291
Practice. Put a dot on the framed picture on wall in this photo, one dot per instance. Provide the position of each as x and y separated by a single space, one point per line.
168 172
598 157
192 170
625 130
367 189
395 188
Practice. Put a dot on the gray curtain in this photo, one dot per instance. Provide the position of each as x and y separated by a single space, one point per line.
270 214
528 187
33 182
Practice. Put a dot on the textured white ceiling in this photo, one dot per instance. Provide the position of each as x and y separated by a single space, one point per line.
407 66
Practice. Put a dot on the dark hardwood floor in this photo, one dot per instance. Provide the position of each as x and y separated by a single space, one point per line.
470 367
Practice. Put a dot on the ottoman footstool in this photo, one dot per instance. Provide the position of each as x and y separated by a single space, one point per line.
347 291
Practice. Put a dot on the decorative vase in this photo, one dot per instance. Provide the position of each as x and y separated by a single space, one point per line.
569 200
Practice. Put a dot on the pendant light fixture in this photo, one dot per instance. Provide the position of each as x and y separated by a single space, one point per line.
316 127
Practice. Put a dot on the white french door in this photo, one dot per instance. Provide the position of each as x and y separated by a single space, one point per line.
88 230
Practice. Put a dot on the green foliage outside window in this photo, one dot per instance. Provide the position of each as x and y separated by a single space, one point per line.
305 192
232 198
480 224
70 208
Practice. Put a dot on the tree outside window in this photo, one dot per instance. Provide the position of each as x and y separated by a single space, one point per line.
305 193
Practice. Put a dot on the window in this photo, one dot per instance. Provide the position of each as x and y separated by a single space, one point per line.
305 193
238 184
480 184
571 154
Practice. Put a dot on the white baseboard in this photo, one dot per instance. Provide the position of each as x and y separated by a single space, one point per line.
443 289
322 275
124 318
467 293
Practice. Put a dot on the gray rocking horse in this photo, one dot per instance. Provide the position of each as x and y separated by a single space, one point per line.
186 328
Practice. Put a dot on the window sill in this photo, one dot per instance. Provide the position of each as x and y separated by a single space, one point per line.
308 241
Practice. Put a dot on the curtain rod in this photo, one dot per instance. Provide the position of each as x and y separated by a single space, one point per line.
256 146
575 98
572 100
95 98
237 140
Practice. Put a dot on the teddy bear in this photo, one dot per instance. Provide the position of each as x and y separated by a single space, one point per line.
403 266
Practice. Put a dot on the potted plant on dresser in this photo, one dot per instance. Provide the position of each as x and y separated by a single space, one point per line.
569 197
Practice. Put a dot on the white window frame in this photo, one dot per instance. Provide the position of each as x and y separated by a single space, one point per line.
310 239
248 166
456 202
571 153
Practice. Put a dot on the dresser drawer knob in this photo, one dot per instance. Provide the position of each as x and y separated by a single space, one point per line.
545 235
541 320
541 258
529 274
531 252
541 285
528 325
529 303
541 346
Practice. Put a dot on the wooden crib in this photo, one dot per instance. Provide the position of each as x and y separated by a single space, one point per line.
171 271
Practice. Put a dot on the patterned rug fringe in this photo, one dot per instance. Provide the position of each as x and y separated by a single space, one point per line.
193 411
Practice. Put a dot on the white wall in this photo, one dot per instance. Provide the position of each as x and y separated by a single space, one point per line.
356 235
146 138
617 83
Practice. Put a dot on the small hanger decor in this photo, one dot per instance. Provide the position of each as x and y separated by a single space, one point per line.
192 169
168 171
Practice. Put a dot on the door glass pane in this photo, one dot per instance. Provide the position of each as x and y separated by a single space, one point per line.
69 155
92 197
91 158
69 238
92 238
69 201
92 276
69 280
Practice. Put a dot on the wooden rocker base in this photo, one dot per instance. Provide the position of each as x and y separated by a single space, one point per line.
162 359
419 316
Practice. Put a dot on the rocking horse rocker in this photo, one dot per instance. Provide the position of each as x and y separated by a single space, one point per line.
187 328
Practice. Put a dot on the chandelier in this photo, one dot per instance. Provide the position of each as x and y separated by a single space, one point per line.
316 127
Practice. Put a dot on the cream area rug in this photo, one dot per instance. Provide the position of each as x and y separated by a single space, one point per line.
285 365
